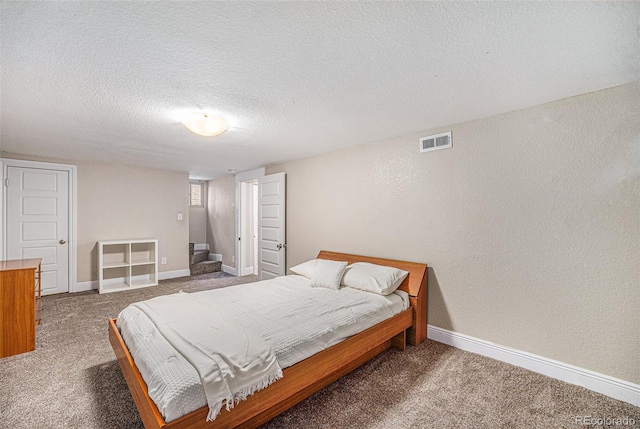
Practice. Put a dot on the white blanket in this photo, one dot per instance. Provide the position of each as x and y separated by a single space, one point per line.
297 320
230 370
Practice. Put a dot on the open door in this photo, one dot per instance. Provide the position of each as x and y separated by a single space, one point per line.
271 226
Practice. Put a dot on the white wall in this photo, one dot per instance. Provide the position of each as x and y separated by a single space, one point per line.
530 224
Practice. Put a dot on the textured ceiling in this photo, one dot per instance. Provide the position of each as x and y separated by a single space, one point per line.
107 80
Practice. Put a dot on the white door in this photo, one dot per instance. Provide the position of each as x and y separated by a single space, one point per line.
38 222
271 226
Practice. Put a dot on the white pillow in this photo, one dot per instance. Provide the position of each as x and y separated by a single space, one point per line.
328 274
306 269
373 278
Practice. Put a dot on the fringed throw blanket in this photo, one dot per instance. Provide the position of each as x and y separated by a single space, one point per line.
232 362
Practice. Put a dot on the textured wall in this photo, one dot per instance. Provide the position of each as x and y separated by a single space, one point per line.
221 218
118 201
531 224
124 202
197 225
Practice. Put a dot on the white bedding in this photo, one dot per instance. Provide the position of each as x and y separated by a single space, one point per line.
229 370
296 319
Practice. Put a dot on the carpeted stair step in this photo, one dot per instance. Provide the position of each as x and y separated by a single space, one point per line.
198 256
205 267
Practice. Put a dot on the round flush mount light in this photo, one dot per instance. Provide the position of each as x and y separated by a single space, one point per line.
204 123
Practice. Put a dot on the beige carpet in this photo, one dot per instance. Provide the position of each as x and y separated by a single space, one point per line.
72 380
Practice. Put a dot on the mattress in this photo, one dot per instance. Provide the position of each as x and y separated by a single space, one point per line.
296 319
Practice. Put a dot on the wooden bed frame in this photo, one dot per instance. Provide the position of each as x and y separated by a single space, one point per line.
304 378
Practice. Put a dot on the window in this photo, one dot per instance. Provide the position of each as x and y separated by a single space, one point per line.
195 195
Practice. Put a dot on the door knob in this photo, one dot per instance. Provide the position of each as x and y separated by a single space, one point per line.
62 241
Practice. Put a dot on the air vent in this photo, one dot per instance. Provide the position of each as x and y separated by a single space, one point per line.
435 142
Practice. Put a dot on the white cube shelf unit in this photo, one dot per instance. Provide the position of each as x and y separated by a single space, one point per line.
127 264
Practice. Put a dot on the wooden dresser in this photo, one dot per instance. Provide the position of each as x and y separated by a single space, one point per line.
19 305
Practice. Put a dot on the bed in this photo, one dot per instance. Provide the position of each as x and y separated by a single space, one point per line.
306 377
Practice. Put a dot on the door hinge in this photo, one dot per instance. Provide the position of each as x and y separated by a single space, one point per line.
6 182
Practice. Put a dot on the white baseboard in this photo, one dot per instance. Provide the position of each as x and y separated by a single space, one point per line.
203 246
163 275
215 257
610 386
230 270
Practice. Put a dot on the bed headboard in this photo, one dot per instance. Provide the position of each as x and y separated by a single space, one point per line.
415 285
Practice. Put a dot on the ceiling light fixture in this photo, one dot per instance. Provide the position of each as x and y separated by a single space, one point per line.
204 124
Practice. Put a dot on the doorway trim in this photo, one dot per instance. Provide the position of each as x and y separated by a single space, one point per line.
245 176
5 163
